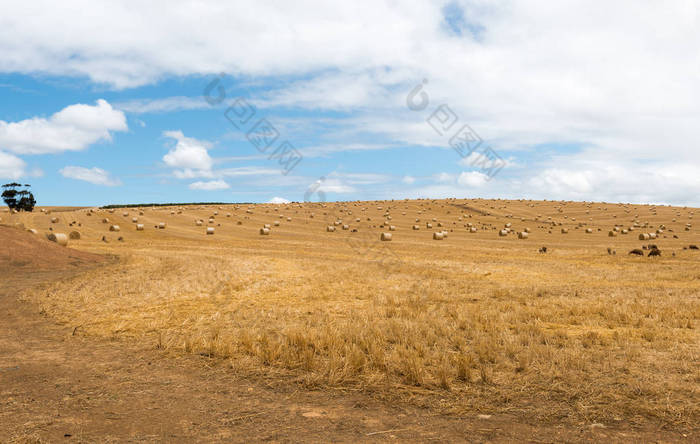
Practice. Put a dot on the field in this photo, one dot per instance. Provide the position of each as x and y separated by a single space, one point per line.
474 323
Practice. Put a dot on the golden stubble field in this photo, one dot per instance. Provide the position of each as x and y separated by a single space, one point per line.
475 322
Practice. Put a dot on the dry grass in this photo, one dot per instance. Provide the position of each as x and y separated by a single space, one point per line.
475 322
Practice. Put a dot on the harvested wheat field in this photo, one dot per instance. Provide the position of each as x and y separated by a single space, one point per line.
470 317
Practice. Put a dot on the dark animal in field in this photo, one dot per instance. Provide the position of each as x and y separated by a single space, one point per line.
637 252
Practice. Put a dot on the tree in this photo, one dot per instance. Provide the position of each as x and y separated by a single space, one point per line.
17 198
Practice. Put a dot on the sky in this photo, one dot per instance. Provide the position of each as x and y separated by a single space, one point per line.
272 101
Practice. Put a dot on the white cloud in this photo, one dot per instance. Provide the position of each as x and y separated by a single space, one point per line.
11 167
96 176
408 180
74 128
189 157
278 200
444 177
472 179
583 73
165 104
209 186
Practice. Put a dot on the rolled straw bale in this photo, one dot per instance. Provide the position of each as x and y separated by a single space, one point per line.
438 235
59 238
74 235
210 230
139 227
386 236
264 231
114 228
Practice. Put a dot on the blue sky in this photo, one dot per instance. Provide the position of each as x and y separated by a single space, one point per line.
569 101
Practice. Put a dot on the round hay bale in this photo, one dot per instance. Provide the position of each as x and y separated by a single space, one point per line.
503 232
139 227
276 223
438 235
74 235
32 230
54 220
161 226
522 235
392 228
114 228
416 227
105 221
330 228
644 236
472 229
266 226
612 233
589 230
59 238
199 223
346 227
264 231
652 235
428 225
564 230
386 236
210 230
134 219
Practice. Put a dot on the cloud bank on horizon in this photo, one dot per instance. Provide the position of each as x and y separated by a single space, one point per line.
582 100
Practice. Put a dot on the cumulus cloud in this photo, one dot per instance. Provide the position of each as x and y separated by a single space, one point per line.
96 176
523 74
189 157
211 185
472 179
11 167
74 128
278 200
408 180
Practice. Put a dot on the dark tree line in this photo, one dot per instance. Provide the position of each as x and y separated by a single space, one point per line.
18 197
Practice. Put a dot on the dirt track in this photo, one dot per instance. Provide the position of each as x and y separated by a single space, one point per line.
59 386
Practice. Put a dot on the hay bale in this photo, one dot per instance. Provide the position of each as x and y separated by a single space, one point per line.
472 229
74 235
392 228
199 223
210 230
612 233
564 230
386 236
330 228
114 228
54 220
32 230
105 221
134 219
589 230
416 227
264 231
276 223
438 235
522 235
503 232
346 227
139 227
644 236
59 238
161 226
